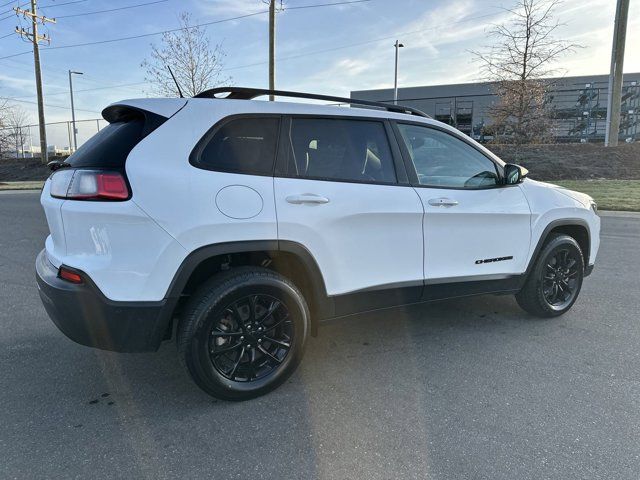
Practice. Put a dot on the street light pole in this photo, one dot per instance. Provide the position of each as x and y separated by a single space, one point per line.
398 46
73 112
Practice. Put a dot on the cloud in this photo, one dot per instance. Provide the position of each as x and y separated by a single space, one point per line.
21 84
438 43
231 8
434 52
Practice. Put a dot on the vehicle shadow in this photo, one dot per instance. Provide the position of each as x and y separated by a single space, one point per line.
368 384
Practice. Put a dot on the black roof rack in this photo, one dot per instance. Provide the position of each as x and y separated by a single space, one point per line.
243 93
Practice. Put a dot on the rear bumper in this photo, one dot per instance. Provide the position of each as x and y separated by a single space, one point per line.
87 317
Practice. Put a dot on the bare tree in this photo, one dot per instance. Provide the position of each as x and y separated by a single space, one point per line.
13 129
520 62
196 65
4 128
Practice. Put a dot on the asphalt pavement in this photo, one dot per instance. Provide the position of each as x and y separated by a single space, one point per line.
470 388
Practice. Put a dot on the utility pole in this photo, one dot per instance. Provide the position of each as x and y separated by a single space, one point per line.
398 46
615 74
36 39
73 112
272 47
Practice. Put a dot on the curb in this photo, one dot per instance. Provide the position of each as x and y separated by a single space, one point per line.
21 191
618 213
17 186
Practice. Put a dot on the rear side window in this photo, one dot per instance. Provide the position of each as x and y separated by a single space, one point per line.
109 147
243 145
337 149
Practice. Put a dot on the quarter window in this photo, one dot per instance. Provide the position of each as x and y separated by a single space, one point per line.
442 160
244 145
336 149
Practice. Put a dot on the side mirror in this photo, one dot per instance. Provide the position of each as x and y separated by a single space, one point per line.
514 174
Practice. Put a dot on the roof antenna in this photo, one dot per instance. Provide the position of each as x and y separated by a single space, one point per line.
175 81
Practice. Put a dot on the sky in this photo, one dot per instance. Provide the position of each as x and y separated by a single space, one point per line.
327 49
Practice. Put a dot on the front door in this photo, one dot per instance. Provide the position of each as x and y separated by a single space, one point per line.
475 228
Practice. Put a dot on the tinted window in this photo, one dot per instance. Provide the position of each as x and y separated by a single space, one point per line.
351 150
442 160
109 147
244 145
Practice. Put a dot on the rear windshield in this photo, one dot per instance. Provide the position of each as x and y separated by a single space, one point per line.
109 147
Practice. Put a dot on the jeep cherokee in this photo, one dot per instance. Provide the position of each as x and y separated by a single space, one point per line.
235 226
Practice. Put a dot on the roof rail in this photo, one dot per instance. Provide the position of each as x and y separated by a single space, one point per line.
243 93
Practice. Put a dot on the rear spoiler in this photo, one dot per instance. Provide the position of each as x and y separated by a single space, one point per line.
154 111
163 107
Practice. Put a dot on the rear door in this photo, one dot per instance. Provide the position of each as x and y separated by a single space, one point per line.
475 228
341 192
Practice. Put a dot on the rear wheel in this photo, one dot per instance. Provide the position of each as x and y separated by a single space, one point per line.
243 333
554 282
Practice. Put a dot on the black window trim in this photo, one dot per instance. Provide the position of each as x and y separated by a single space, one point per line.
196 152
411 169
284 152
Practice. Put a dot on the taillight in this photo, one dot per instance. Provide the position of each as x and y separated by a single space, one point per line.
89 185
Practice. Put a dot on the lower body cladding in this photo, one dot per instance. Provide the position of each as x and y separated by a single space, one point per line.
87 317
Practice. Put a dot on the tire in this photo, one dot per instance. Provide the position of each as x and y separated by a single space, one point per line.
549 276
243 333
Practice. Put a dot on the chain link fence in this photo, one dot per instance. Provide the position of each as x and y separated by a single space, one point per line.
24 141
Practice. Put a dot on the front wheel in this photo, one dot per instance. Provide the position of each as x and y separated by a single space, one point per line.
243 333
554 283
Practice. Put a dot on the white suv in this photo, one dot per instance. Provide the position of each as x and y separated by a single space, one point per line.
237 225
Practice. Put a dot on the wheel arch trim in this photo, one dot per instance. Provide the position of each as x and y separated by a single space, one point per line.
564 222
196 257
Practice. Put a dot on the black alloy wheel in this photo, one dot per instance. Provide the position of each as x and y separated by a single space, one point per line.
560 278
252 337
243 333
555 280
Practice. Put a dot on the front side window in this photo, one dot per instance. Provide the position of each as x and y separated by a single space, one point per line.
336 149
442 160
243 145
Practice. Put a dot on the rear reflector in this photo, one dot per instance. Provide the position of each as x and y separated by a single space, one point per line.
89 185
69 276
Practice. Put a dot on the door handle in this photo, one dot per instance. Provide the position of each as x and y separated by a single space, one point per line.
307 198
443 202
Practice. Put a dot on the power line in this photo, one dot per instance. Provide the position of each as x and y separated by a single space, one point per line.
324 5
12 11
341 47
144 35
351 45
41 8
106 87
301 55
47 6
63 4
46 104
16 54
61 73
205 24
111 9
133 37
